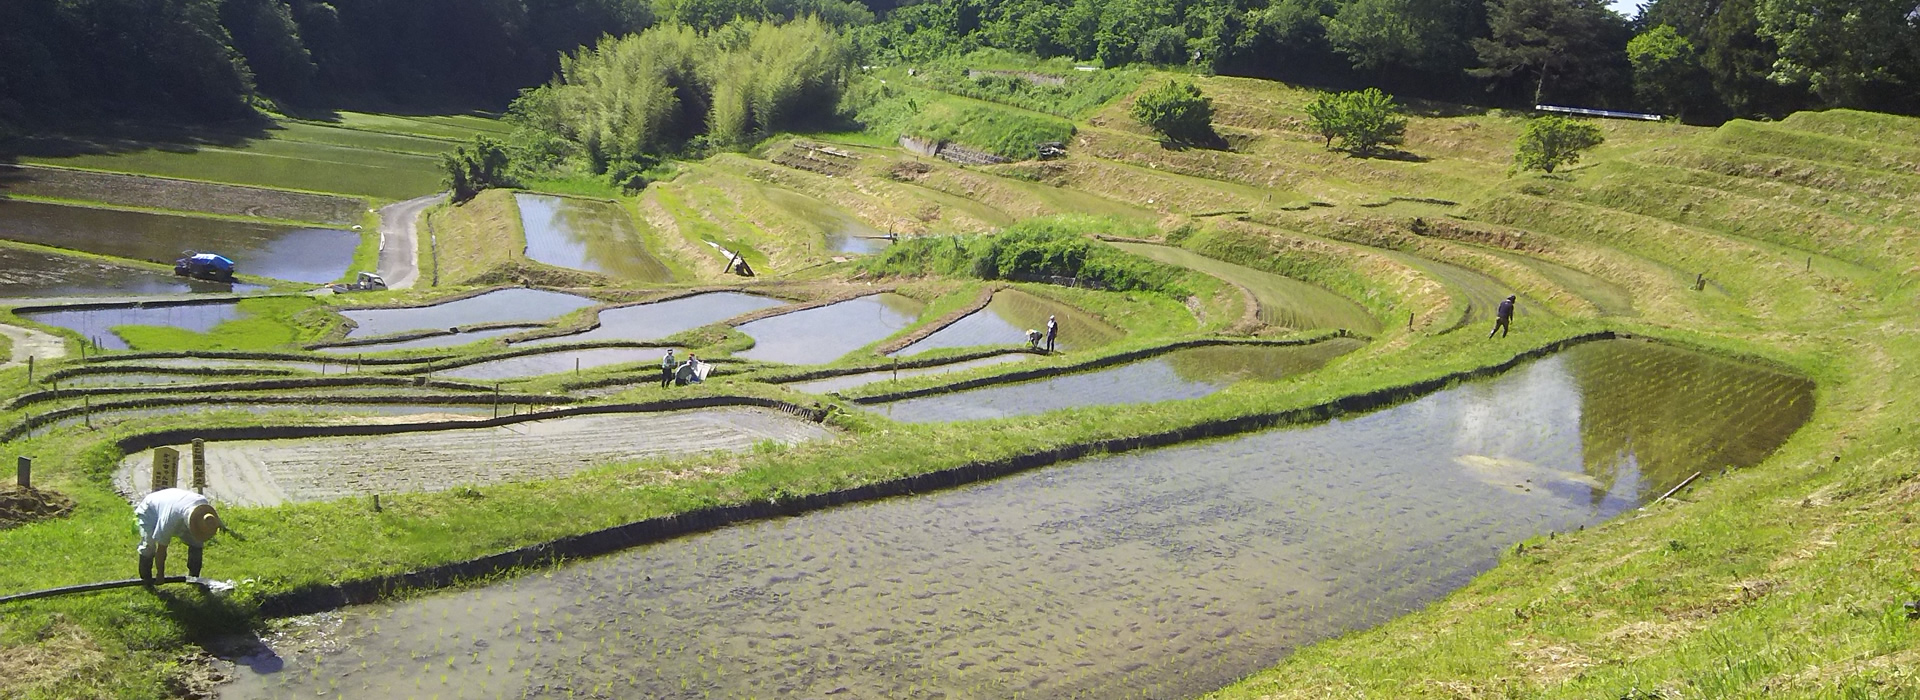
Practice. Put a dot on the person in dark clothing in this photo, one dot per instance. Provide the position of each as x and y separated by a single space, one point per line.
1503 320
1053 330
667 366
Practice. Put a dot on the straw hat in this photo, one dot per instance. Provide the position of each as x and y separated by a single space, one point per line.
203 523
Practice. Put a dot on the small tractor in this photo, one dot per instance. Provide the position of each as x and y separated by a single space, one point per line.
205 266
367 282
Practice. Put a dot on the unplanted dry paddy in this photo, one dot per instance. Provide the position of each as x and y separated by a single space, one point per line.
1133 574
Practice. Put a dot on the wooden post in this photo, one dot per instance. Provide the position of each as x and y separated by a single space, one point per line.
576 366
25 476
166 468
29 369
200 465
87 409
1409 320
496 399
376 503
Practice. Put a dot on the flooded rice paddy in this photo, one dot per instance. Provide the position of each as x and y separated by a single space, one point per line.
1160 573
644 322
294 254
1284 301
97 324
587 235
101 418
432 341
501 306
824 334
268 472
1006 320
553 363
849 381
1181 374
33 273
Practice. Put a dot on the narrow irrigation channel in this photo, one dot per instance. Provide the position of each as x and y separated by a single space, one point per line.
1157 573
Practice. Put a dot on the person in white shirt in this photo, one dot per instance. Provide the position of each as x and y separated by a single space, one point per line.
169 513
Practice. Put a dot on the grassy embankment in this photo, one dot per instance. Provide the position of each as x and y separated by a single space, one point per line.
1776 579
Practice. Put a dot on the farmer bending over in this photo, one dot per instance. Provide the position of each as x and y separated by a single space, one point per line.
1503 321
169 513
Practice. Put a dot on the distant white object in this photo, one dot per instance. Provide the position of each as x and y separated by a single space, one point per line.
356 227
1600 113
1088 69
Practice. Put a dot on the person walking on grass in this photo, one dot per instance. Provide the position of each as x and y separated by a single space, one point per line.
1503 319
1053 331
667 365
169 513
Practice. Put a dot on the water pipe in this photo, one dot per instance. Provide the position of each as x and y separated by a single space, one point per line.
104 585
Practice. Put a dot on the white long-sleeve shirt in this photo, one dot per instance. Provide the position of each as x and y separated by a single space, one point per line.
162 516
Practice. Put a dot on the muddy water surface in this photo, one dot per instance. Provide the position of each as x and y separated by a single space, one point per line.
849 381
1162 573
825 333
587 235
432 341
501 306
282 252
1006 319
661 319
554 363
32 273
98 324
1182 374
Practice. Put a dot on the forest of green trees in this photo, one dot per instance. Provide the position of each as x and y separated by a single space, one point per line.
63 61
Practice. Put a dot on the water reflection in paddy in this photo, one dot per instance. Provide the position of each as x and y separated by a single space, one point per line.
553 363
288 253
849 381
502 306
432 341
1182 374
1160 573
98 324
658 320
33 273
587 235
825 333
1006 319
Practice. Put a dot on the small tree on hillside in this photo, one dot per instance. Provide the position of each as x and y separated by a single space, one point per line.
476 166
1552 141
1176 110
1363 121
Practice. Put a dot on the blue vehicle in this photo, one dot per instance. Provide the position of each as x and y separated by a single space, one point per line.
206 266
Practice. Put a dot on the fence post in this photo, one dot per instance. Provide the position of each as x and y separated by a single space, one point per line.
25 476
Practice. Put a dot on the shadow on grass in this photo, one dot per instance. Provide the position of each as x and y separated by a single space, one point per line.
108 139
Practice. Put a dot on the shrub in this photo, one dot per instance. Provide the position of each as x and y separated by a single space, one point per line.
476 166
1363 121
1552 141
1176 110
1036 248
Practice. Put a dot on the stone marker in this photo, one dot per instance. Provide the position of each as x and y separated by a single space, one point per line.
166 468
25 478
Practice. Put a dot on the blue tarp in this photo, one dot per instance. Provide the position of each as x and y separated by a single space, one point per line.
218 262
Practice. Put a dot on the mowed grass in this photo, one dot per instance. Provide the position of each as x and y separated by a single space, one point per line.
471 240
1284 301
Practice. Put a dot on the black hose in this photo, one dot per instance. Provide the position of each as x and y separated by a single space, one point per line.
88 587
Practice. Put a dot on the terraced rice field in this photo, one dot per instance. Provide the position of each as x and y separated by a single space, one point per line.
645 322
311 255
269 472
1182 374
823 334
1006 320
1160 573
1284 301
97 324
587 235
500 306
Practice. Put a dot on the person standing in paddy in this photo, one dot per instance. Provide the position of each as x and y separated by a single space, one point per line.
667 365
1503 320
1053 330
169 513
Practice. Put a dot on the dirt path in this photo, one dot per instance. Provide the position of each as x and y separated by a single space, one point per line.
270 472
31 343
399 247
